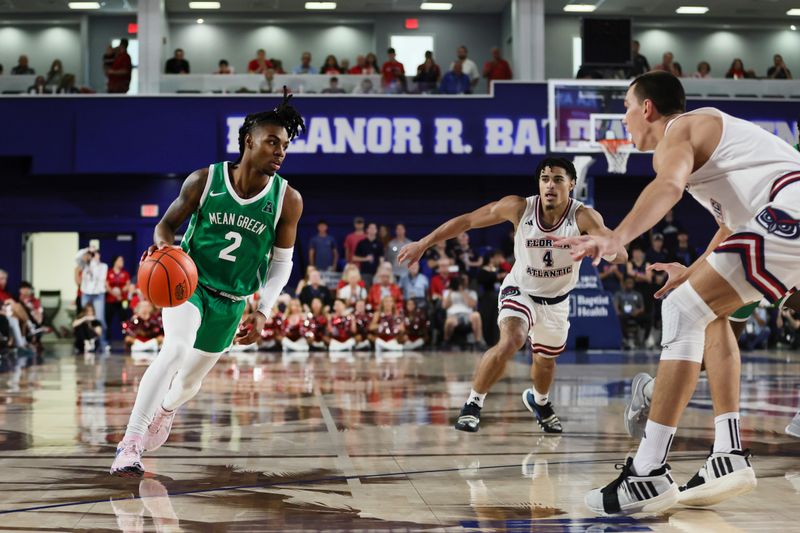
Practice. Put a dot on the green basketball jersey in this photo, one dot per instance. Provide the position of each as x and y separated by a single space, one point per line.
230 238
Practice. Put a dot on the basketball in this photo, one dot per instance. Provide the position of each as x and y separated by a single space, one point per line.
167 277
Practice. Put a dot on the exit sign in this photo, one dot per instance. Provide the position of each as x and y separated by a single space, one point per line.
412 24
149 210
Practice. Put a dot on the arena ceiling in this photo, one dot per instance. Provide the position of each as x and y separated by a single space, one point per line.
740 9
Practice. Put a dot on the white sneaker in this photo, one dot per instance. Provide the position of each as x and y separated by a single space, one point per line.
128 461
793 428
631 493
723 476
158 430
638 408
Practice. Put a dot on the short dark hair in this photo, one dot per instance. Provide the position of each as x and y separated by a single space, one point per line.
390 51
25 285
223 61
334 79
555 161
178 50
123 42
663 89
322 221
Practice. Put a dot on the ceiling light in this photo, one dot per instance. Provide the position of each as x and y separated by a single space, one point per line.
793 27
84 5
204 5
436 6
320 5
795 12
579 8
200 21
692 10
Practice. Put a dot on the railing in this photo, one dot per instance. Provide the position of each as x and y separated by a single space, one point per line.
232 83
727 88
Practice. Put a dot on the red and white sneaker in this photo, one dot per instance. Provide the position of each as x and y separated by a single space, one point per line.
128 462
158 430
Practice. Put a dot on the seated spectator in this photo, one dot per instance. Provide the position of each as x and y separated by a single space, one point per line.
365 87
260 64
19 326
667 63
428 74
268 85
756 330
455 81
384 286
738 72
67 85
22 67
38 87
415 285
640 63
33 310
54 75
441 280
302 283
684 254
372 66
344 64
779 70
322 250
417 327
272 333
354 291
277 66
86 329
363 319
331 66
629 304
393 248
703 71
677 69
224 67
341 328
388 326
468 261
295 328
144 331
305 65
369 253
461 304
789 328
315 289
333 87
317 331
432 255
358 68
177 64
393 74
4 295
497 68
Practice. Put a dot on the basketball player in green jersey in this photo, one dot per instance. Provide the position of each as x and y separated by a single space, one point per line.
241 236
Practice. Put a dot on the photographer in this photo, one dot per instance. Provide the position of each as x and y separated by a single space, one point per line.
788 326
92 280
460 303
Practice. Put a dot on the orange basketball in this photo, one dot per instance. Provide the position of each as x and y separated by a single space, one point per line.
168 277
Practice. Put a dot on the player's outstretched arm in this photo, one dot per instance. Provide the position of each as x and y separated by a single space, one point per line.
179 210
590 222
507 209
280 267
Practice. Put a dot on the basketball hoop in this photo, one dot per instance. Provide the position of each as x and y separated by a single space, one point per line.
617 152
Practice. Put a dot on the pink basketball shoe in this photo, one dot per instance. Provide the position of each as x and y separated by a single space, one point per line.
158 430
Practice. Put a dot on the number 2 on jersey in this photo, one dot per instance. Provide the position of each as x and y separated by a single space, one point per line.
547 258
225 253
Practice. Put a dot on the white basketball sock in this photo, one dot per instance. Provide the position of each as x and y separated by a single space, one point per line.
539 398
476 398
726 433
654 448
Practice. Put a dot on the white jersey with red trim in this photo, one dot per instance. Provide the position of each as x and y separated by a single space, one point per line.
542 269
742 174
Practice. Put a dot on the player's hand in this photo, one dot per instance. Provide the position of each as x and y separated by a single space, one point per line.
250 329
152 248
676 274
411 253
594 246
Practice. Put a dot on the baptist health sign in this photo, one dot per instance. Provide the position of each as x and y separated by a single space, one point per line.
404 135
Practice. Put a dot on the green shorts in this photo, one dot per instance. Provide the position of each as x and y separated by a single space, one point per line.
219 320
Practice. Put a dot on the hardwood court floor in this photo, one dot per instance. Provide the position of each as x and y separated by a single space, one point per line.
357 444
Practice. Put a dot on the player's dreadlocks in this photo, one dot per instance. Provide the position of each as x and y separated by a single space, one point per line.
284 115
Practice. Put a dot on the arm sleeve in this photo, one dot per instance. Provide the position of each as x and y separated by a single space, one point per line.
280 268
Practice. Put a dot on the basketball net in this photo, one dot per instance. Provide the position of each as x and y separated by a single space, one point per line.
617 152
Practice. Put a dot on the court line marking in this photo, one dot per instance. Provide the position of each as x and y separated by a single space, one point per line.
313 481
343 460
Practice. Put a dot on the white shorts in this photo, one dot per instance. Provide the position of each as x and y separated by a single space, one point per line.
762 258
548 324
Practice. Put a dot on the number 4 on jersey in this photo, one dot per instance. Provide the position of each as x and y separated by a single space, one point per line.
548 258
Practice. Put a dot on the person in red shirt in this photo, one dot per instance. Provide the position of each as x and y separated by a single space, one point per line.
394 75
383 287
441 280
360 66
341 328
260 64
496 69
118 284
352 240
32 304
119 75
144 331
3 281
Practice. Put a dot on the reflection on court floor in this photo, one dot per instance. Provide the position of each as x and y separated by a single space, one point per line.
365 443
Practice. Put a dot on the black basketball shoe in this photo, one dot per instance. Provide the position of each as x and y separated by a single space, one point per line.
470 418
545 416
